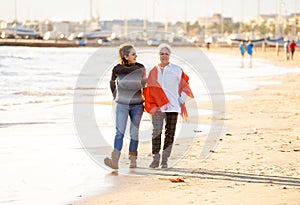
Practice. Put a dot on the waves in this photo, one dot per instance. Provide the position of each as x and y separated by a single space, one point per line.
8 73
40 75
16 56
60 94
40 93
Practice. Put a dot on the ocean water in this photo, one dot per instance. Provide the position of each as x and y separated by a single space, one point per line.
41 156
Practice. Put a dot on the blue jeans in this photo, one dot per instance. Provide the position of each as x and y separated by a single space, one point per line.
135 113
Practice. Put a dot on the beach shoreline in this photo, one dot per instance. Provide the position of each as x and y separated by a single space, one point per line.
256 159
268 53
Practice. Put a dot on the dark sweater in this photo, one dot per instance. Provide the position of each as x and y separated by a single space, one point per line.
127 83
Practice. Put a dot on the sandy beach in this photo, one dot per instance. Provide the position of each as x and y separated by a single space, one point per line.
255 162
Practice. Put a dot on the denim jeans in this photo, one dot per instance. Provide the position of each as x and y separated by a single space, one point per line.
135 113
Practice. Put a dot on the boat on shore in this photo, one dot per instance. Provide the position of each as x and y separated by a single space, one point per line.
237 39
255 42
280 41
275 41
19 32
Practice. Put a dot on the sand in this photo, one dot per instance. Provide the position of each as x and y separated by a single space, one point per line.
255 162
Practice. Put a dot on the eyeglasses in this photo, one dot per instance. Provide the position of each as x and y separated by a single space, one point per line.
164 54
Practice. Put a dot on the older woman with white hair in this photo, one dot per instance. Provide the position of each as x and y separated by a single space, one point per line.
165 94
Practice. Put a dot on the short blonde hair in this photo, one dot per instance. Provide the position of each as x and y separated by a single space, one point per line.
164 45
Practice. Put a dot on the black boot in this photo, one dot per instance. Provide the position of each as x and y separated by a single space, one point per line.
166 154
155 162
164 161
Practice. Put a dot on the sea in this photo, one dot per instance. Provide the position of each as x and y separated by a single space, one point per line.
42 155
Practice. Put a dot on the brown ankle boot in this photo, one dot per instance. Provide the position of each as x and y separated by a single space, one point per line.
114 160
133 158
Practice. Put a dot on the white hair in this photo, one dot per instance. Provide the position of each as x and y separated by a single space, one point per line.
164 45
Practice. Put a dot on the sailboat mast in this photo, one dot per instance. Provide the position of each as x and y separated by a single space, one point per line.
295 19
258 11
166 15
222 18
91 9
16 17
145 16
185 13
242 16
278 17
16 21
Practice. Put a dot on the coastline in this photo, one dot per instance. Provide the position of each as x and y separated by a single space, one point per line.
37 43
256 159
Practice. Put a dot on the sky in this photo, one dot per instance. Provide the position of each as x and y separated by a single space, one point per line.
152 10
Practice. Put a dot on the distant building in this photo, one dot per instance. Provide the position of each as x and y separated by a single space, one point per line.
132 28
3 24
61 27
212 25
45 26
216 18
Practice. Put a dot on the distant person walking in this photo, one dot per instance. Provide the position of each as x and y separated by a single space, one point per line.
242 49
287 49
250 51
127 82
292 48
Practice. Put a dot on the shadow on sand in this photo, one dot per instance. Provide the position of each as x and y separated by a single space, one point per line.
219 175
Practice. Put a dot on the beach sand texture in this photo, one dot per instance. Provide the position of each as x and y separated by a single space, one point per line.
255 162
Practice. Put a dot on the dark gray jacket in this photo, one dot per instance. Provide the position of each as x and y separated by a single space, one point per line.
127 83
